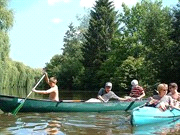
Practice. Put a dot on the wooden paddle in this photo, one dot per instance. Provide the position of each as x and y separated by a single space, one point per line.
16 110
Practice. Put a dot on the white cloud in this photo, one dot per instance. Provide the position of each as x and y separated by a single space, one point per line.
53 2
56 20
117 3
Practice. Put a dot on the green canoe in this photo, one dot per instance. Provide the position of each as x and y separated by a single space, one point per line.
9 103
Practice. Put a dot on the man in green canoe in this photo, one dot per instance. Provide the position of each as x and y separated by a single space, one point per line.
53 91
105 94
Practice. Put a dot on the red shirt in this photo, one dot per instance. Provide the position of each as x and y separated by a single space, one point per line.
137 91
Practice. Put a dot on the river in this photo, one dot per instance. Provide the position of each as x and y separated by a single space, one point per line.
93 123
109 123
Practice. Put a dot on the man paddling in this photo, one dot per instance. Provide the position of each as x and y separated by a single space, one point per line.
53 91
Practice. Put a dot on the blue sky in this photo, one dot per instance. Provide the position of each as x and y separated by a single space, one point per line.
40 25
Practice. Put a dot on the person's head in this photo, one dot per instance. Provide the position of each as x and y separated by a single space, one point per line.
162 89
134 82
173 87
108 86
52 81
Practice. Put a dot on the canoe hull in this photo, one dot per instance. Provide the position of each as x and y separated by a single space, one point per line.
9 103
151 115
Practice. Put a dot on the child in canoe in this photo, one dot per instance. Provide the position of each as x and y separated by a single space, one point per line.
173 87
53 91
137 92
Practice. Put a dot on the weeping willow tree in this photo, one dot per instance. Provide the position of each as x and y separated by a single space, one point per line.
12 74
6 22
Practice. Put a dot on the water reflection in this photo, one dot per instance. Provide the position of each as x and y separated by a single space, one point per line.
109 123
66 123
96 123
53 127
6 120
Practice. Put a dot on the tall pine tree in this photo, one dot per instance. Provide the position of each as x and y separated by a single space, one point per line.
103 25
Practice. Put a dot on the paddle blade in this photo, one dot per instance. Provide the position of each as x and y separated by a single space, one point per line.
16 110
129 105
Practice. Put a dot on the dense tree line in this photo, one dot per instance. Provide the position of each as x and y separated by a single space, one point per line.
13 74
141 42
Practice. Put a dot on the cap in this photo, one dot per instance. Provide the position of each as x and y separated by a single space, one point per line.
108 84
134 82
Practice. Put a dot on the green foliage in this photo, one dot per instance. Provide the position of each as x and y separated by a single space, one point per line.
174 51
12 74
131 68
16 75
6 21
141 43
103 25
156 39
68 67
146 34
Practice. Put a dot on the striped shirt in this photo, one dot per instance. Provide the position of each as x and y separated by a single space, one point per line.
137 91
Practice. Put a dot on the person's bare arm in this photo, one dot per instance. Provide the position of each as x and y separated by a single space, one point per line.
100 97
43 91
131 94
143 94
122 99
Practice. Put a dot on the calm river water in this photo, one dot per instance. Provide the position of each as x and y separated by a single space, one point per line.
108 123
